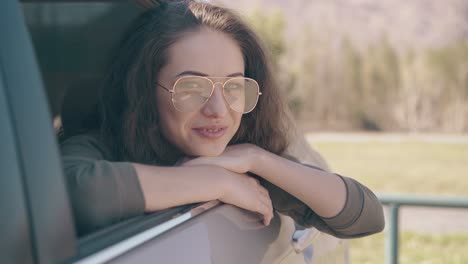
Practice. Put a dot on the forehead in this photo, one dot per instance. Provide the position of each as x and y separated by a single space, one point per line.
208 51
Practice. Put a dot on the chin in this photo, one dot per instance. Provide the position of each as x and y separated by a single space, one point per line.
209 151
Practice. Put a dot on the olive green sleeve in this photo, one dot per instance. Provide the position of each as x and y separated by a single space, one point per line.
102 192
361 215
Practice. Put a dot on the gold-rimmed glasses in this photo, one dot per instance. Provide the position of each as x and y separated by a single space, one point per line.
190 93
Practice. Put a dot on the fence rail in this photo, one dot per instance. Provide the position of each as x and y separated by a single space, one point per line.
394 201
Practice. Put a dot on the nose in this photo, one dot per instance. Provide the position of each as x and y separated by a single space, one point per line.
216 105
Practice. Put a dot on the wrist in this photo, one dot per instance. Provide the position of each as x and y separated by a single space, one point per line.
218 180
258 160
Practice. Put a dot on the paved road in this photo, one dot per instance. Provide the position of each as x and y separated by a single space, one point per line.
434 220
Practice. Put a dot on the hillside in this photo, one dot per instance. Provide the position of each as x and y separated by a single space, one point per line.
428 23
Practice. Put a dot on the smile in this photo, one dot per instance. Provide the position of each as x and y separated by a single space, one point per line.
210 132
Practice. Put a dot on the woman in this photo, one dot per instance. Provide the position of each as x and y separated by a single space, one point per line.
190 112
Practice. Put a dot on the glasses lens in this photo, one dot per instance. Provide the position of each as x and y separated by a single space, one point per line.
190 93
241 94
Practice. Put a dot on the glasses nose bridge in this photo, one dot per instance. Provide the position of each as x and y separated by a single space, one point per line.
215 83
214 86
217 95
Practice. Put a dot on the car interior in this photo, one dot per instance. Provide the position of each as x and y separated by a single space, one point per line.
73 41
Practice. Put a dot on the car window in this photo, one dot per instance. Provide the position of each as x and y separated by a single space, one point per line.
73 41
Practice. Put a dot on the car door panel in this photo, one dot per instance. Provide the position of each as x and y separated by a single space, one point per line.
36 148
192 245
15 242
225 234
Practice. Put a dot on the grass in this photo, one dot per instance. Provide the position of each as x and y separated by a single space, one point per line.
401 166
414 248
405 166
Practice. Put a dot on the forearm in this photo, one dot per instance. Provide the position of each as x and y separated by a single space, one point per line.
165 187
101 192
323 192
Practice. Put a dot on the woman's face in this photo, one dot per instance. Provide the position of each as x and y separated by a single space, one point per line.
208 130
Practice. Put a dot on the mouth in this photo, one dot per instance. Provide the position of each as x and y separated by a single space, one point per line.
210 132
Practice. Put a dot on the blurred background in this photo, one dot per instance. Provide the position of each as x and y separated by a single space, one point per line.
380 89
399 66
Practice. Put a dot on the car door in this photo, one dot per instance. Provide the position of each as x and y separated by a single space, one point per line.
47 229
37 221
15 242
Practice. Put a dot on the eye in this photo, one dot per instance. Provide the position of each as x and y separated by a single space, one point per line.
192 88
233 86
189 85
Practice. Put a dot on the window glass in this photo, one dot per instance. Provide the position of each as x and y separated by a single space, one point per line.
73 43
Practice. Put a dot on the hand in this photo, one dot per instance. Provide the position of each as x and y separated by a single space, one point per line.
246 192
236 158
241 190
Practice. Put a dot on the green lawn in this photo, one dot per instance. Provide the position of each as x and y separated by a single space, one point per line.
407 166
414 249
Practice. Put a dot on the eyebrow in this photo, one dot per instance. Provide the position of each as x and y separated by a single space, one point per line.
204 74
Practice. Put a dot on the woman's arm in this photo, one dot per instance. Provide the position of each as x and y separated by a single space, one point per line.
335 204
165 187
103 192
322 191
345 207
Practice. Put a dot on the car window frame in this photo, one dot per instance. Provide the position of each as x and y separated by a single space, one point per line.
118 239
36 147
16 244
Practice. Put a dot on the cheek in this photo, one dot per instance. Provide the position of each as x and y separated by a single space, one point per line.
171 123
174 124
237 118
166 115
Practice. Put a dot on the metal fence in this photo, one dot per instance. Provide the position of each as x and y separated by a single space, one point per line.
394 201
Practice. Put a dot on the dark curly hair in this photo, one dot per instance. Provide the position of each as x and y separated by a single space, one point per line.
127 114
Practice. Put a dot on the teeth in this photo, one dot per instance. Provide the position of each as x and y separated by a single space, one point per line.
213 130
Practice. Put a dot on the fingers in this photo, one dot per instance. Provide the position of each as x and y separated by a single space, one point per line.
251 195
267 213
264 204
267 206
253 181
263 190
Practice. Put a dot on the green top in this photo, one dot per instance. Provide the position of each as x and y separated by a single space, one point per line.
104 191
